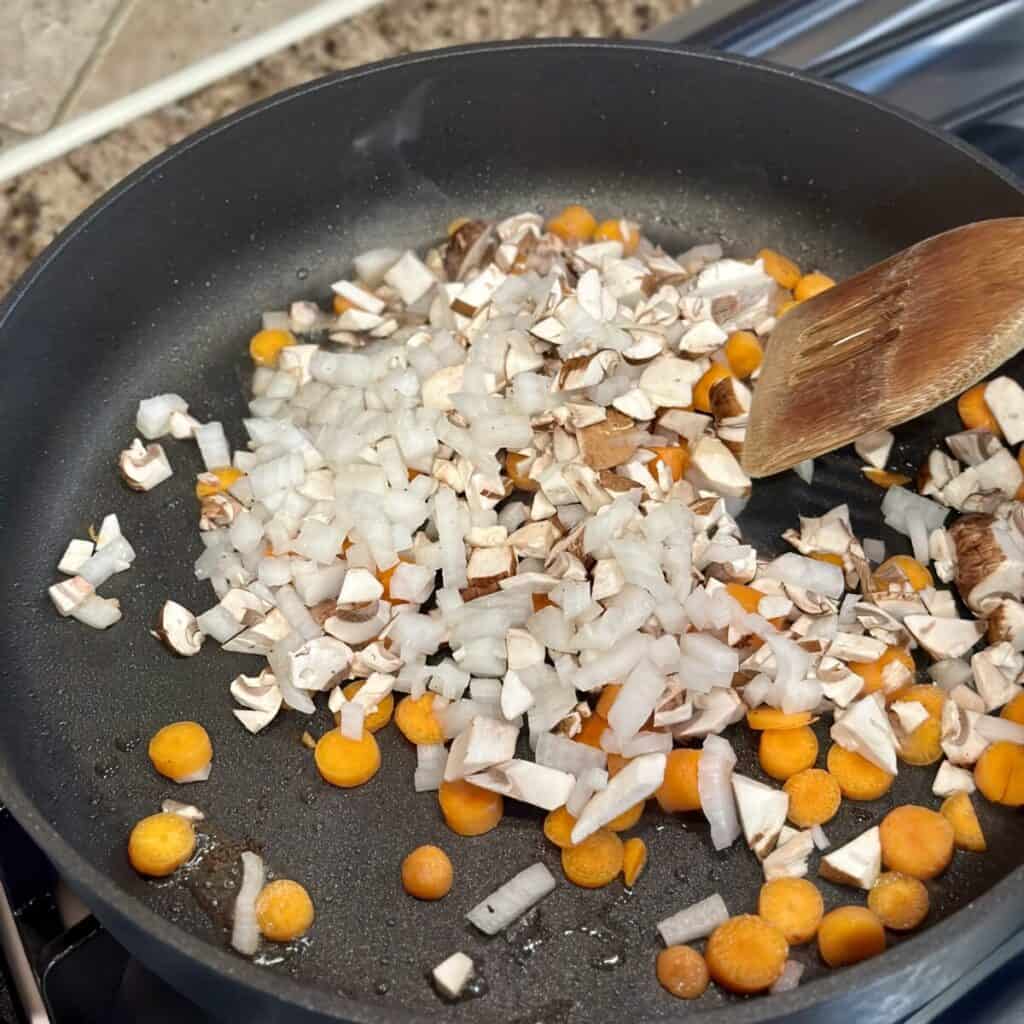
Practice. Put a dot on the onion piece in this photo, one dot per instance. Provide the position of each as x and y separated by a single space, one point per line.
714 784
789 979
694 922
245 931
513 899
430 762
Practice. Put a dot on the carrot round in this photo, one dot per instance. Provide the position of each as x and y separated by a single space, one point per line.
606 701
814 797
427 873
848 935
468 809
794 906
974 411
416 722
746 954
747 597
812 284
899 901
574 224
771 718
999 773
744 353
784 752
858 778
595 862
592 730
916 841
1014 711
558 826
634 860
784 270
616 762
678 791
344 762
967 834
903 567
702 389
682 972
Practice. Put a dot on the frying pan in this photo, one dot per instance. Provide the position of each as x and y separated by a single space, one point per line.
157 287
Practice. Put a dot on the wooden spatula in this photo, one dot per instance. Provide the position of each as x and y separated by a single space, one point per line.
891 343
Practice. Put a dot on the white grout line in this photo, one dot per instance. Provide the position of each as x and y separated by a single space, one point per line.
87 127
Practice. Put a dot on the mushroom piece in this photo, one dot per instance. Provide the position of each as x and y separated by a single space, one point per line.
359 587
950 779
990 559
961 741
668 382
1006 623
452 975
177 627
1005 398
637 781
144 466
995 671
608 443
972 447
483 744
76 554
789 858
865 729
716 468
762 811
908 714
528 782
874 448
858 863
944 638
70 594
730 401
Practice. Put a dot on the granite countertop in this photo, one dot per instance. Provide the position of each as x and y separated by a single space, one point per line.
35 206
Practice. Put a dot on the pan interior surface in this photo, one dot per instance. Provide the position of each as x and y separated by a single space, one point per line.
159 290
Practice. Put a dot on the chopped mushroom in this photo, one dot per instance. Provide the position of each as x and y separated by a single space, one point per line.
176 626
144 466
858 863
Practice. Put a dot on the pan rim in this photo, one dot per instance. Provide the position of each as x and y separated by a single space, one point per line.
116 904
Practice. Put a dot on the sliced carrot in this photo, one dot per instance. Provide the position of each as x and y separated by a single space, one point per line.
627 819
814 797
812 284
616 762
959 812
916 841
623 231
595 862
785 271
634 860
284 911
744 353
678 791
885 479
784 752
340 304
469 810
607 698
574 224
344 762
772 718
848 935
828 556
427 873
999 773
900 901
974 411
794 906
682 972
558 826
746 954
416 722
591 731
676 459
540 602
747 597
873 672
1014 711
785 306
858 778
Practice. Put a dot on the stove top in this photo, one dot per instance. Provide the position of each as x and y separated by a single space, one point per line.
956 63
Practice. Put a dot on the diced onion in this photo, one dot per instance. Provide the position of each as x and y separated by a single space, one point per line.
245 931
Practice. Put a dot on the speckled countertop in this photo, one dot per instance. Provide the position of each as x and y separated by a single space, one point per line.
34 207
